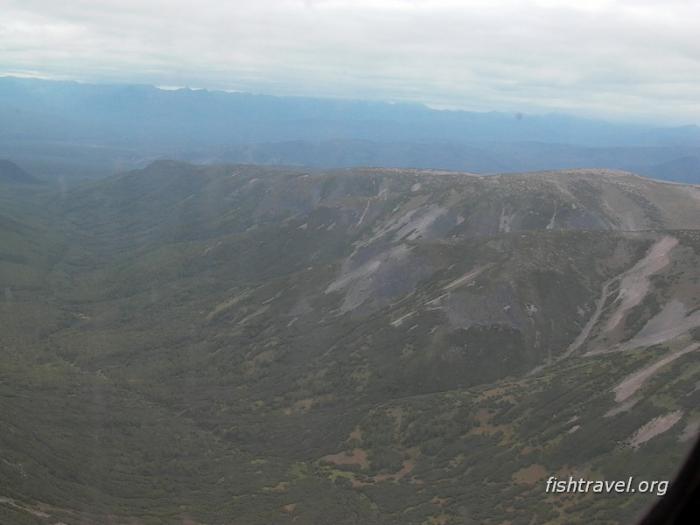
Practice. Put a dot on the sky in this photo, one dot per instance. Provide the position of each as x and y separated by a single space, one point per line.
635 60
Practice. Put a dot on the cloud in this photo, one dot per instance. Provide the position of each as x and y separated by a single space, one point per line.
620 59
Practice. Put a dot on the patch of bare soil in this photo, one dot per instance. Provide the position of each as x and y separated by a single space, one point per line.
439 502
690 432
408 466
441 519
466 278
635 282
356 434
634 285
634 381
356 457
655 427
668 324
530 475
486 427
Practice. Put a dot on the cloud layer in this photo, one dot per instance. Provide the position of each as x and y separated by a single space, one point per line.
628 59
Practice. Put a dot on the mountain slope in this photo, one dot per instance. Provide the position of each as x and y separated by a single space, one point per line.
11 173
415 346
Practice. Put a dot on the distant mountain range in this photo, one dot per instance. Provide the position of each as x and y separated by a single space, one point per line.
13 174
73 129
667 163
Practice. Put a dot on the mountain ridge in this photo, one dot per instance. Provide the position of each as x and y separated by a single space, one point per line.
75 130
13 174
395 342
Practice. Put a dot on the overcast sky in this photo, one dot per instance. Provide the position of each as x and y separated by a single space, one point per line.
624 59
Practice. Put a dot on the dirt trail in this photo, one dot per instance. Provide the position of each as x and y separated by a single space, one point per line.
583 335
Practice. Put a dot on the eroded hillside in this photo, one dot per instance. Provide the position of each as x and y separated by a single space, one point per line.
274 345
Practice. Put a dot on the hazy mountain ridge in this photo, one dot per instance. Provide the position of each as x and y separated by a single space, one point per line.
674 163
348 339
72 130
11 173
216 117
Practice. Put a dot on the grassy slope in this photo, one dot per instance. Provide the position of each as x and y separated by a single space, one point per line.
157 372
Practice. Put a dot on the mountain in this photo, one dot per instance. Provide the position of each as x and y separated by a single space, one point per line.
74 131
683 169
666 163
145 115
11 173
257 344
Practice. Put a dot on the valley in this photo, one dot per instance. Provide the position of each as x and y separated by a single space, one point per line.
255 344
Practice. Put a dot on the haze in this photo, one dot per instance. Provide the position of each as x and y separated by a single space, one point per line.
622 60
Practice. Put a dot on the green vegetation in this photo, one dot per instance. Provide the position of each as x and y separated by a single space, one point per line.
257 345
